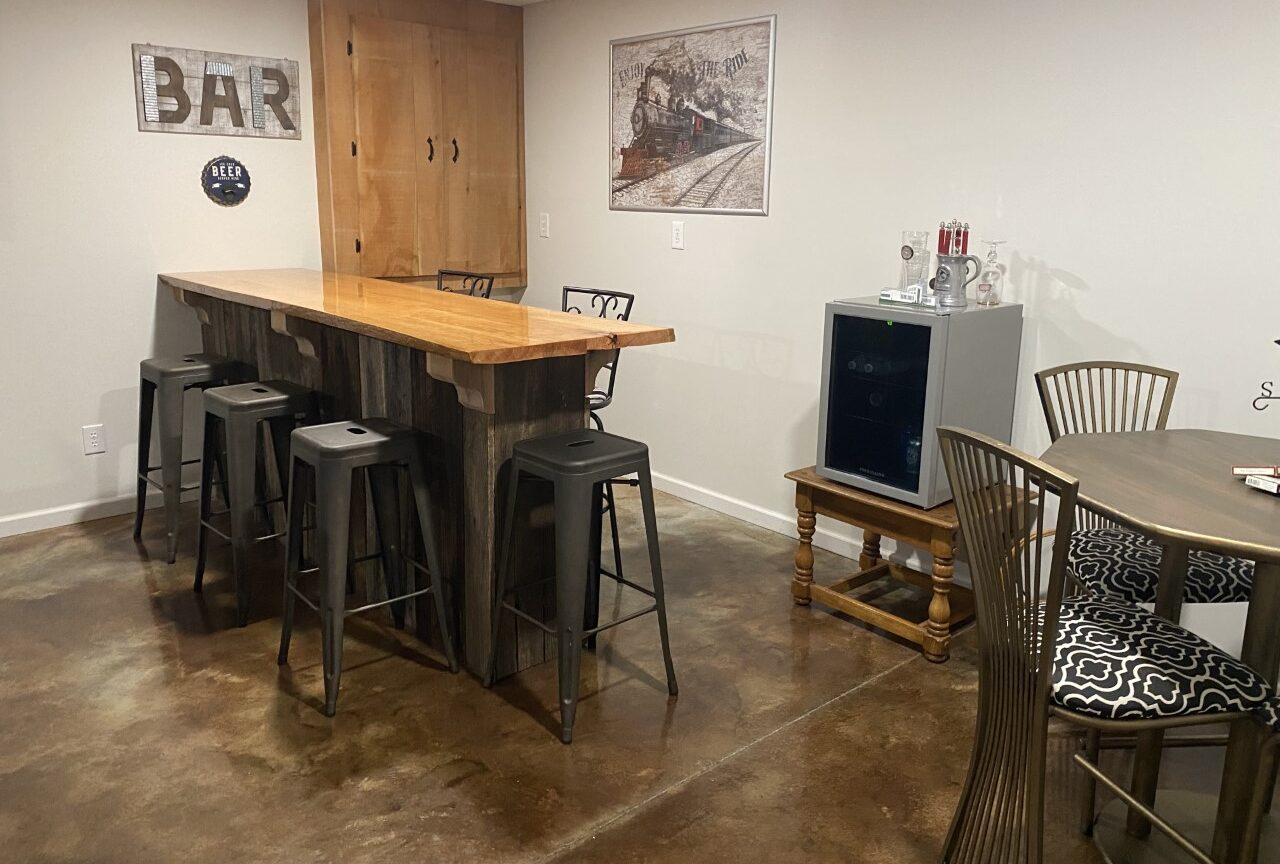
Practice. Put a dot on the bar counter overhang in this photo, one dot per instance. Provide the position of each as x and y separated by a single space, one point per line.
476 375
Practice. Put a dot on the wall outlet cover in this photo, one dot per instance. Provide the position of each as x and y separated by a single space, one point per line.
94 439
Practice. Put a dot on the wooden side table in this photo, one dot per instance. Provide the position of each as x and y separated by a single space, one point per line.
936 530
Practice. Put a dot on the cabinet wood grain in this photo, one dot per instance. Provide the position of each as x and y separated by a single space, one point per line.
430 95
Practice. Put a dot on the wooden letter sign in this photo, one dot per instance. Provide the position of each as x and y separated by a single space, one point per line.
182 90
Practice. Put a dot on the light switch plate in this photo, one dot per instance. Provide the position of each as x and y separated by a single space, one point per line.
544 224
677 235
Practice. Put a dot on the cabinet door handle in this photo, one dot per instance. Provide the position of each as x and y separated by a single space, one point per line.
455 149
431 150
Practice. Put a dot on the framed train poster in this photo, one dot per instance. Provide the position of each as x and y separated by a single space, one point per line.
690 116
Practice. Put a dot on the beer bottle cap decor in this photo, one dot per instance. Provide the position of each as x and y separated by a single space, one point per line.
225 180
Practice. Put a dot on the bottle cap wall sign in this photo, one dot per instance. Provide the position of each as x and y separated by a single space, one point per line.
225 181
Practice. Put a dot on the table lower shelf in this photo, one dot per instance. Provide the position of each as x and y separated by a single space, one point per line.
837 596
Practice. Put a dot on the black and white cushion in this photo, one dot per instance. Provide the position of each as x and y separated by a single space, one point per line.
1124 565
1118 662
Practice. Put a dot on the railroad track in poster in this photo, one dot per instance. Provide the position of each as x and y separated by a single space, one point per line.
678 174
704 189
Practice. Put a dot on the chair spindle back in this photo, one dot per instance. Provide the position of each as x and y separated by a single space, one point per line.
1002 497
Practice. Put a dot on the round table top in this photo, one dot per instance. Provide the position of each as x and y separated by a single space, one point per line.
1177 485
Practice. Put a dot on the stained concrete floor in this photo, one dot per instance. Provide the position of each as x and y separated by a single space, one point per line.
140 726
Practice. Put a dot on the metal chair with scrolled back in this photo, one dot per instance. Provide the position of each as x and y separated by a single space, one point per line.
601 303
1107 559
1084 660
474 284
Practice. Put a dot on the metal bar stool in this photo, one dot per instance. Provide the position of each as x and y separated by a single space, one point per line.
172 377
579 463
333 452
239 409
601 303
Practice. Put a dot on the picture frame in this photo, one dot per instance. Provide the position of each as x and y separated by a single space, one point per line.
691 119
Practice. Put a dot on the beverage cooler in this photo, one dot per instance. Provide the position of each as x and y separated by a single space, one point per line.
892 374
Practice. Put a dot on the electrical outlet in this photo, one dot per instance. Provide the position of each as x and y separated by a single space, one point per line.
677 235
544 224
94 438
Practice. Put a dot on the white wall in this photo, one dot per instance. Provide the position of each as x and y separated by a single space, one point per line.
93 209
1127 152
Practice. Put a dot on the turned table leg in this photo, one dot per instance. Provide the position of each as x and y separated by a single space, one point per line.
870 556
937 631
805 521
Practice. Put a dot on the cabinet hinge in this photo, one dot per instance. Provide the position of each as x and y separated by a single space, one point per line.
353 148
357 245
348 47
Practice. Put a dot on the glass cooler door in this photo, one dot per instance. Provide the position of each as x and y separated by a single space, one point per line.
876 402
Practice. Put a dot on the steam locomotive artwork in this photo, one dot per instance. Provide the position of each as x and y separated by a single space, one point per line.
670 131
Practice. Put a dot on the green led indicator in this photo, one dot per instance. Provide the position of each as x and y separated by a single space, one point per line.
890 323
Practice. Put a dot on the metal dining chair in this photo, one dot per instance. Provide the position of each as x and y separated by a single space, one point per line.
1106 559
474 284
601 303
1084 660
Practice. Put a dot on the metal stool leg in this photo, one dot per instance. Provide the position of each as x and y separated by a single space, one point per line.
655 565
170 398
431 544
574 501
592 616
384 489
146 406
280 428
296 498
333 503
1093 744
220 464
209 444
613 528
504 570
242 458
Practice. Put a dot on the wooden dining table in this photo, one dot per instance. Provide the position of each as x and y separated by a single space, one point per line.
1176 486
476 375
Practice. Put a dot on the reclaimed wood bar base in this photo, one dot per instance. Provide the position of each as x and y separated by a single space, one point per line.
936 530
475 375
360 376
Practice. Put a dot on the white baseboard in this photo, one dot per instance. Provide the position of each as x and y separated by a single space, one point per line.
846 544
81 511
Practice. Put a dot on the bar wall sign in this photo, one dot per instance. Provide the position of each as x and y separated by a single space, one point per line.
203 92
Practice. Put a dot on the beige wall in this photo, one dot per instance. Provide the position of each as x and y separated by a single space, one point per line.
1127 152
93 209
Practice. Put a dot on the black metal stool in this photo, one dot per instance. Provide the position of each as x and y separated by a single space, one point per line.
579 463
601 303
173 377
334 451
239 409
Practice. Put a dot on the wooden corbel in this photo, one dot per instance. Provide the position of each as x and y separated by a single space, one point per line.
305 334
202 314
596 361
473 381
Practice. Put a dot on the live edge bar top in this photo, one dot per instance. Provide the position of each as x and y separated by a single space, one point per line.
465 328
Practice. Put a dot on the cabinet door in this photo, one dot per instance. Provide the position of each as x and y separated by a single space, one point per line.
481 87
386 145
433 149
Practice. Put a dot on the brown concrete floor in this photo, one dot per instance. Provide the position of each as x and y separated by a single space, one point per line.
140 726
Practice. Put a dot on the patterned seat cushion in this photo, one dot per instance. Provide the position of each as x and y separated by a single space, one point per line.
1119 662
1124 565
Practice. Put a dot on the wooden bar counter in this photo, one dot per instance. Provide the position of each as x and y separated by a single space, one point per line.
476 375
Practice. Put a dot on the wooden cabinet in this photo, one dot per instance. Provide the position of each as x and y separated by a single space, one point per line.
435 166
